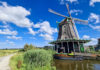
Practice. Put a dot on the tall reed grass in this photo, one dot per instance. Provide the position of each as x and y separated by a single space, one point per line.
35 59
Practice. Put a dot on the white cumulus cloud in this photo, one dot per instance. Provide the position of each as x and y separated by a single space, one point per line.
9 42
65 1
94 18
31 31
93 1
15 14
95 27
45 27
46 30
72 1
76 11
14 37
8 32
47 37
93 41
4 26
86 37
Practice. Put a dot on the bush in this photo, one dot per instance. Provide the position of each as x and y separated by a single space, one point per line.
19 64
37 58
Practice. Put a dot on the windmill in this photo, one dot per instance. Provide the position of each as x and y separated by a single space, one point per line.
70 29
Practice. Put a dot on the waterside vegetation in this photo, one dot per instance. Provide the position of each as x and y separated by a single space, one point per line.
32 58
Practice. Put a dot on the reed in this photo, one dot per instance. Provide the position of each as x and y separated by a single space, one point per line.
38 59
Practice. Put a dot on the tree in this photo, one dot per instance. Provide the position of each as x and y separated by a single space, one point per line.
47 47
26 46
30 46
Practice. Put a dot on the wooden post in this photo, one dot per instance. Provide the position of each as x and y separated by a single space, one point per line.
67 47
54 47
79 47
64 49
62 46
83 46
73 48
57 48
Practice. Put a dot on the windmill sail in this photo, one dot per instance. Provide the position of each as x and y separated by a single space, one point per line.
52 11
67 28
73 24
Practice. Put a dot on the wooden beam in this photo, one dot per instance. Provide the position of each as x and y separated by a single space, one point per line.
73 47
57 48
79 47
67 47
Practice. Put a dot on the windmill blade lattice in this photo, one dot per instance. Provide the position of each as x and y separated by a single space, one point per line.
79 21
52 11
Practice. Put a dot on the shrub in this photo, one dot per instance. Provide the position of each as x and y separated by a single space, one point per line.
19 64
37 58
16 62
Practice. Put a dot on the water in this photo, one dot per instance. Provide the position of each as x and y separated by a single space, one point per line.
77 65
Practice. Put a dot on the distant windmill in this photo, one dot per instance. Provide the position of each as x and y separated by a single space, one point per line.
67 28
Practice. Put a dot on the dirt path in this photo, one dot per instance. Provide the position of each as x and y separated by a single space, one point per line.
4 62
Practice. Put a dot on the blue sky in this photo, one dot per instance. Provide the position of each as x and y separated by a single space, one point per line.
28 21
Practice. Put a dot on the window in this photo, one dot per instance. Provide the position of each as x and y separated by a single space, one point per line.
65 38
64 26
64 32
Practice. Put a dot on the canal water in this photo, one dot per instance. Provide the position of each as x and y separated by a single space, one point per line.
77 65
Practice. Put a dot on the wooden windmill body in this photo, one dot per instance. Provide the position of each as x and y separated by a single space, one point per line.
66 30
68 37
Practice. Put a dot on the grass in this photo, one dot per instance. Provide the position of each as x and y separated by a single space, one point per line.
14 62
7 52
37 59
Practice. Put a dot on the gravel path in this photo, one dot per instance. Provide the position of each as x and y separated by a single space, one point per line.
4 62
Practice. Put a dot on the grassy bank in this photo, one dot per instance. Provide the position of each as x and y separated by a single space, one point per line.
15 60
36 59
7 52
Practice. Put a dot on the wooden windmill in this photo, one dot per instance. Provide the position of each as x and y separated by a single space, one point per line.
67 28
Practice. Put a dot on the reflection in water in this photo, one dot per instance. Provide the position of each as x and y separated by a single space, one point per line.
77 65
97 66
